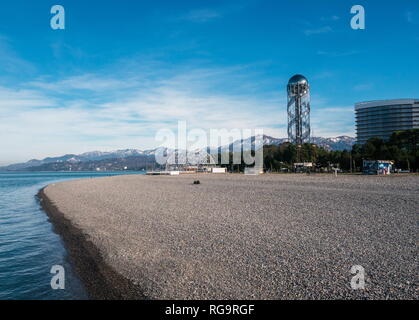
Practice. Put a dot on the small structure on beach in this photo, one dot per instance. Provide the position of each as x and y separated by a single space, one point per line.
191 161
378 167
303 166
253 171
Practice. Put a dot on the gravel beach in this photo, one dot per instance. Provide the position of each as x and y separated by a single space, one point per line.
277 236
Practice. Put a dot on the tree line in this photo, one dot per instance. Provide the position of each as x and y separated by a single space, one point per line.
402 148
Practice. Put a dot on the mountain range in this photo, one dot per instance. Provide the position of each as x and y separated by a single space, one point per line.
135 159
331 144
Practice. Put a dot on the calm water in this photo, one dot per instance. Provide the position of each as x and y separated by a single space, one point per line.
28 245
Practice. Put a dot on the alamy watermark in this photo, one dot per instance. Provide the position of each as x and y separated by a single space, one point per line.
58 280
58 20
358 280
358 20
199 146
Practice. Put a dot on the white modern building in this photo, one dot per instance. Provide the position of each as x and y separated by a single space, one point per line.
382 117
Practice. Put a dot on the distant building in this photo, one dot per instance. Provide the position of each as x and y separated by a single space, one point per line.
381 118
377 166
253 171
218 170
303 166
191 161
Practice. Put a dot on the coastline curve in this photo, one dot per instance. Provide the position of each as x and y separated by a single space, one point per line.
101 281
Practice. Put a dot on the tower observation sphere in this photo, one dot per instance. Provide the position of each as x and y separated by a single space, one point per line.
298 109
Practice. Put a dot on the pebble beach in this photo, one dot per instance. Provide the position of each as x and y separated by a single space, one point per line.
273 236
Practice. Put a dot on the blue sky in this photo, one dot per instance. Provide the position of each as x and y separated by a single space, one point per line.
122 70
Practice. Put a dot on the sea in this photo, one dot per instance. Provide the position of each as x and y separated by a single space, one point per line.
29 247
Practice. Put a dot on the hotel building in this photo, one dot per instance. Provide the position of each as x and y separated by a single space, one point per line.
381 118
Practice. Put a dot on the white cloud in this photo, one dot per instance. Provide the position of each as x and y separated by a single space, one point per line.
96 111
410 17
15 100
364 86
84 82
48 117
10 61
331 18
202 15
325 29
335 54
332 121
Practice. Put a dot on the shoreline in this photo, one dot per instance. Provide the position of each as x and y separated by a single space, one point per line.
100 280
266 237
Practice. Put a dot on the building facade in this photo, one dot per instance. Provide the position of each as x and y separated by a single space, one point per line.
381 118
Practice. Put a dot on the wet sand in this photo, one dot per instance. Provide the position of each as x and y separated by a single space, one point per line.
239 237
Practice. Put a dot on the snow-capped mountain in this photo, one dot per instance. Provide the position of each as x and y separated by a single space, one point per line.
336 144
84 157
129 155
251 142
331 144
